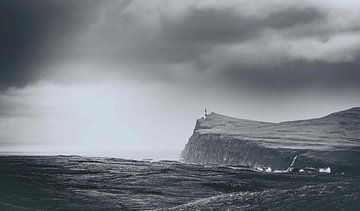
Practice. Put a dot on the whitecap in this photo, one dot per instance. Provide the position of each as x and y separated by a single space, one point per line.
325 170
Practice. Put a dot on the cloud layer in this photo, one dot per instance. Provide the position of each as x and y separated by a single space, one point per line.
267 45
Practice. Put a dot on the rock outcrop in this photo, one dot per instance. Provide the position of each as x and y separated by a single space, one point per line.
333 140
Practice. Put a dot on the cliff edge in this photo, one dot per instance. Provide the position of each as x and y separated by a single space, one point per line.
333 140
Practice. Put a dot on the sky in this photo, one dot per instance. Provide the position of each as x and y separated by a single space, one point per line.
113 75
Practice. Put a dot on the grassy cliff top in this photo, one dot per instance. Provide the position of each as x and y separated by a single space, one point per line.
337 131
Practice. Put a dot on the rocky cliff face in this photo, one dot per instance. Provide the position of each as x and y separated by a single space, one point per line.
333 140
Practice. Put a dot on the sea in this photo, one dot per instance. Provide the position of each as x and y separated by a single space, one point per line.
71 182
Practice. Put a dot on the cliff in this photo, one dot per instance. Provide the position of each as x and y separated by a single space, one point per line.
333 140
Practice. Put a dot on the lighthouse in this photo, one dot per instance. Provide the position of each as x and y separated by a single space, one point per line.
205 113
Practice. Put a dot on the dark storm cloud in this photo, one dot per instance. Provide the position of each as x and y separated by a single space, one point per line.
229 25
192 36
30 31
289 17
292 77
188 37
266 48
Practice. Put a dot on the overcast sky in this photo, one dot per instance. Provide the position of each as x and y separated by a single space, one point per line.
92 75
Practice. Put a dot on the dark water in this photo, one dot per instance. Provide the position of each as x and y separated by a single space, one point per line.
83 183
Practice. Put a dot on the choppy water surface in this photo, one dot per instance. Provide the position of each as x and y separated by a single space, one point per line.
84 183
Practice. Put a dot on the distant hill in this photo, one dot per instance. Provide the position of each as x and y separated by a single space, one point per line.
333 140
